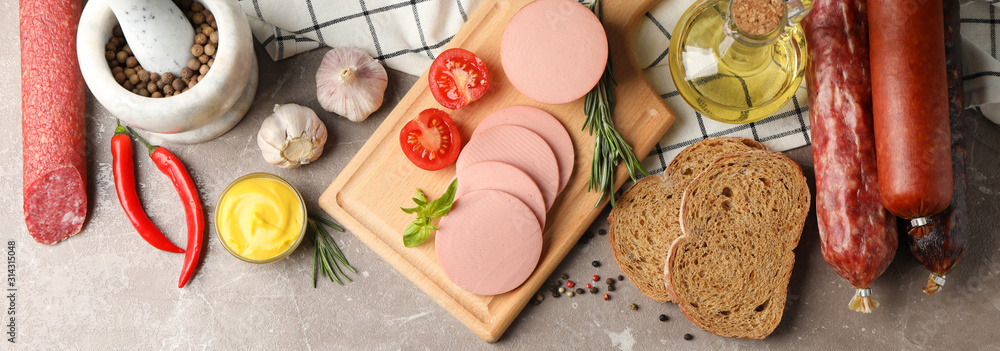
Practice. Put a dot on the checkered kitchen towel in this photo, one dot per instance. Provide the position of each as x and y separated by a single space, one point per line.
407 34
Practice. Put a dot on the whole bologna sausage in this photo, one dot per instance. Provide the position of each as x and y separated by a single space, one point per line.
858 235
52 120
910 100
942 248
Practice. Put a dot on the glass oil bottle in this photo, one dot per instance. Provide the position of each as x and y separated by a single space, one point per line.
733 69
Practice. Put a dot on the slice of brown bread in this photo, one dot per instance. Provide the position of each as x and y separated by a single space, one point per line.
690 162
641 228
645 220
741 219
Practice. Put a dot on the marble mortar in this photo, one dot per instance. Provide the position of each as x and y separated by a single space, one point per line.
209 109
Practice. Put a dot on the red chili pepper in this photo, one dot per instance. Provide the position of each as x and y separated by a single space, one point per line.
124 171
174 169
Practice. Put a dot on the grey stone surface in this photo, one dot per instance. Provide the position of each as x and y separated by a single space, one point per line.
107 289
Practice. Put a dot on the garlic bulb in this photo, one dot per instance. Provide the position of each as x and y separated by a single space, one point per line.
292 136
350 83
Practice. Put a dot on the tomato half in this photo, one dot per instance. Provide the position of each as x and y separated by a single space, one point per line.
457 77
431 141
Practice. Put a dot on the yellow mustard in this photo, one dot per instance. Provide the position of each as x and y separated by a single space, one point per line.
259 217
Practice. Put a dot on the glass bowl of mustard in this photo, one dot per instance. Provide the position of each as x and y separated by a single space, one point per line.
260 218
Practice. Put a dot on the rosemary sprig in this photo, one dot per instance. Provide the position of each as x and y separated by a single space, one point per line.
610 148
327 256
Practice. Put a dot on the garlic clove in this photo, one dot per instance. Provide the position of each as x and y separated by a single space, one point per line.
292 136
350 83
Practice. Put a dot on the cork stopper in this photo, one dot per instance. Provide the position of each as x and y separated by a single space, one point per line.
758 17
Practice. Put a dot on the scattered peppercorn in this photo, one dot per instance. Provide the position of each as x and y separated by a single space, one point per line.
664 318
610 281
555 294
594 290
688 336
633 307
580 291
569 284
607 297
587 286
596 278
569 293
564 276
562 290
602 232
621 277
611 288
596 263
539 297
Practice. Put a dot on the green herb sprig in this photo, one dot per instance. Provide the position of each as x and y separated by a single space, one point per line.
610 148
327 256
418 231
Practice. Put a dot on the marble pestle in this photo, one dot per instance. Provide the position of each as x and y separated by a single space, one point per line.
157 31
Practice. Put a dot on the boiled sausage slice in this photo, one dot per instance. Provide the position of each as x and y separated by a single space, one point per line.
489 243
518 147
493 175
554 51
547 127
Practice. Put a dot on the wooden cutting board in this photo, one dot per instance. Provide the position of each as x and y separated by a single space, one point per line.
367 195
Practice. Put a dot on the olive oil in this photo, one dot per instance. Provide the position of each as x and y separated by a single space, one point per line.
730 75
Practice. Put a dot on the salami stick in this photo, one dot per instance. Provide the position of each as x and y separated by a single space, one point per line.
941 249
858 234
910 106
52 120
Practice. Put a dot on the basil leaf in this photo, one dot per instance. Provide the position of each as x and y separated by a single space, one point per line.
415 235
442 205
421 197
420 229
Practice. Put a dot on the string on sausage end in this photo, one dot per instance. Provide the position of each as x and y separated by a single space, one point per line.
863 302
934 284
921 227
